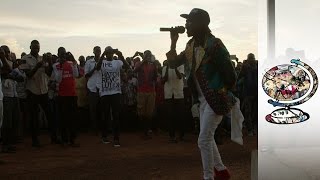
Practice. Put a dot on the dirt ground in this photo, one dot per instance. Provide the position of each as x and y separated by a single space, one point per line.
135 159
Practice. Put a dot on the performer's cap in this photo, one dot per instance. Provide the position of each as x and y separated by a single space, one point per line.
198 15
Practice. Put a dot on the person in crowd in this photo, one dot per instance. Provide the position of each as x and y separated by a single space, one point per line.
109 86
22 96
174 100
128 100
159 111
147 77
211 76
65 71
249 74
53 86
82 102
91 74
38 72
10 76
23 54
82 63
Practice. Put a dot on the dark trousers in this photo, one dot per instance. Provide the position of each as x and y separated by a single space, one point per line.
175 110
111 102
34 101
54 119
10 120
67 111
94 109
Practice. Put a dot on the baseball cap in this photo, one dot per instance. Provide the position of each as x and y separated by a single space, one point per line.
198 15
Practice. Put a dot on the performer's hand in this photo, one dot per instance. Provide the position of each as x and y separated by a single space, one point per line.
174 36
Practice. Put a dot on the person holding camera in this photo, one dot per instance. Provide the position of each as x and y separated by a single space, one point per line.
109 88
147 78
38 71
65 71
91 74
211 76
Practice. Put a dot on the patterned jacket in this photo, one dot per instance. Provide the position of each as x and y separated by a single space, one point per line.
213 69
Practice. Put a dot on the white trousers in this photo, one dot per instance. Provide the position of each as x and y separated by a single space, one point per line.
210 155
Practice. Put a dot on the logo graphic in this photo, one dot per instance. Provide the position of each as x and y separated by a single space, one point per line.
289 85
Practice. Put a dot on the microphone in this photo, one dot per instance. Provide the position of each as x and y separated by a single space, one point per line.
177 29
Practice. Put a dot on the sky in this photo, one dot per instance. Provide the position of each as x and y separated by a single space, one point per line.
127 25
296 26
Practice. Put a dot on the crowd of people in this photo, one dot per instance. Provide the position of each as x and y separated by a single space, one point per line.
107 93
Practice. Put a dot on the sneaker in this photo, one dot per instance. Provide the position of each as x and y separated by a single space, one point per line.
173 140
222 175
116 143
36 144
105 140
72 144
8 149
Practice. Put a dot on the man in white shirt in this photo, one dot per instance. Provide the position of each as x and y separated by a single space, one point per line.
174 99
91 74
109 85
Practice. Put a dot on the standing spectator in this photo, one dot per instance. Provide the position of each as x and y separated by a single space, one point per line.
249 74
109 85
22 96
82 63
93 95
174 100
158 116
23 54
38 72
147 77
2 58
10 101
128 100
65 72
212 77
82 94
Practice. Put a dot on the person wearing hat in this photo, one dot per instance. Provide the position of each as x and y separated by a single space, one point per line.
109 87
211 76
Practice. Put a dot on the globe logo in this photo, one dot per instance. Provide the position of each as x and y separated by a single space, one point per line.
289 85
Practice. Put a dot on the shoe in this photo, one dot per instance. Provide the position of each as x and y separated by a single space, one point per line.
150 132
74 144
221 175
36 144
173 140
8 149
105 140
116 143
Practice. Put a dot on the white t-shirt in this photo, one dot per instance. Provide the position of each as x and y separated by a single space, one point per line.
92 81
108 81
174 85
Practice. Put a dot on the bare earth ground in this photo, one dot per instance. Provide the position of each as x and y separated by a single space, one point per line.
135 159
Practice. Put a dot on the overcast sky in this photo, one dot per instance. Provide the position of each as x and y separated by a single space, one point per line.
128 25
297 27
